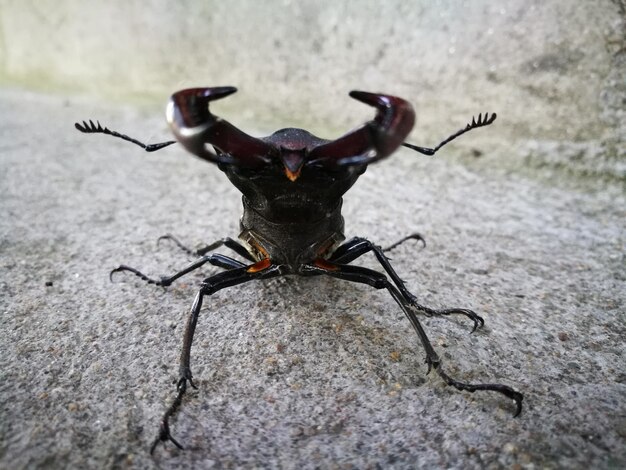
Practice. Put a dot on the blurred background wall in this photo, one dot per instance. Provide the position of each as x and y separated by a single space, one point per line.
554 71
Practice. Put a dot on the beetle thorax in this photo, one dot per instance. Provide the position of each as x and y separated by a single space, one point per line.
293 220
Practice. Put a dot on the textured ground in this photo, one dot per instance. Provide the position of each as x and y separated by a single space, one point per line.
299 373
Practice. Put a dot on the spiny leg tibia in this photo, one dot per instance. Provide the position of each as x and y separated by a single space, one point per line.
210 285
215 259
380 281
357 247
413 236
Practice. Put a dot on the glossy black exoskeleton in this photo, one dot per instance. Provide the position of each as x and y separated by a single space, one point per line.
292 184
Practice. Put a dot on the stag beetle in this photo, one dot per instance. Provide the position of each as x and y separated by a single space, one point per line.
292 184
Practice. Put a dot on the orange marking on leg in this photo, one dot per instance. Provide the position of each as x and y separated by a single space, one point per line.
259 266
324 249
325 265
254 244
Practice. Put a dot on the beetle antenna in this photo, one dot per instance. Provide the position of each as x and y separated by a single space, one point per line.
480 122
92 128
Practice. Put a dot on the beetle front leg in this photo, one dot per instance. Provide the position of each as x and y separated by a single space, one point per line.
184 371
379 281
357 247
210 285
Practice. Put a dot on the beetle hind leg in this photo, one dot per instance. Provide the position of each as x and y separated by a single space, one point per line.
357 247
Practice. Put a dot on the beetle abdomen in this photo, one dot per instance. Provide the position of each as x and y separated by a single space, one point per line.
292 244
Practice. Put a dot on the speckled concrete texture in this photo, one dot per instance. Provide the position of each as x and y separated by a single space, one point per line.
525 223
299 373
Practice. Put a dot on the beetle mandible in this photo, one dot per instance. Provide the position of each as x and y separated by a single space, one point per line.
292 184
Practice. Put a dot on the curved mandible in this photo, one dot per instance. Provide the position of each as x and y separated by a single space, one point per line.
374 140
194 127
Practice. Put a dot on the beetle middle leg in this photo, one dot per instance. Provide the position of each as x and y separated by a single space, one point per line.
357 247
380 281
215 259
212 284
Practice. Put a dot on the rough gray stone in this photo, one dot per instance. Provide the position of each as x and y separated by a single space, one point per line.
298 373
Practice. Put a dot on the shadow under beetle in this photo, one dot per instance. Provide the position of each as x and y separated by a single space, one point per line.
292 184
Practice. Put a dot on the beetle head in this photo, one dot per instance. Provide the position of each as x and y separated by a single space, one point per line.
196 129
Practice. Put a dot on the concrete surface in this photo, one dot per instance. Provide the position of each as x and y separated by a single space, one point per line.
299 373
525 222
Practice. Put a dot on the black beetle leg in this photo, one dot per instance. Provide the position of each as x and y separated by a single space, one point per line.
227 242
210 285
414 236
215 259
380 281
357 247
